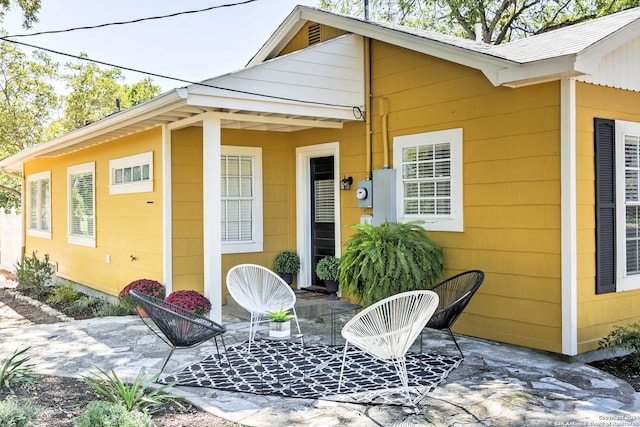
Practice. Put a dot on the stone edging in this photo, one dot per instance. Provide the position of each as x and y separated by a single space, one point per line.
44 307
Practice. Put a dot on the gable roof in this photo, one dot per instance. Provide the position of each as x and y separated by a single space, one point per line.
566 52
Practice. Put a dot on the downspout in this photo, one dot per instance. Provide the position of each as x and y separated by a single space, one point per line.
367 106
384 114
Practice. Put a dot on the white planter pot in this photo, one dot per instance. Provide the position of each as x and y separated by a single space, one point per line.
280 329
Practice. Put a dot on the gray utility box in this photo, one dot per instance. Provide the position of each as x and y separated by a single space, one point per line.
384 196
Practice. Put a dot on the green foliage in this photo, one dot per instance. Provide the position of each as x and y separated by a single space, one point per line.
83 303
134 396
94 91
34 273
626 337
501 20
15 369
328 268
62 293
280 315
30 9
387 259
106 414
286 262
17 413
120 309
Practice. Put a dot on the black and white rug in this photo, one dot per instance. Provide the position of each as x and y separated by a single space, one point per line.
288 369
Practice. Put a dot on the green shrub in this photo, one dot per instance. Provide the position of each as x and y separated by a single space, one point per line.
105 414
62 293
286 262
17 413
626 337
81 304
136 395
328 268
33 273
108 309
388 259
15 369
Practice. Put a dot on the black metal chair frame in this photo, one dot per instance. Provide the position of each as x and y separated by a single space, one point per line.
455 293
180 328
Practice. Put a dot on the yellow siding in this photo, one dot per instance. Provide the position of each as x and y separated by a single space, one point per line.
278 168
301 39
597 314
511 186
126 224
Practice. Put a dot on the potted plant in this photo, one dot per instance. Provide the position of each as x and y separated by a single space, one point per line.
280 323
386 259
190 300
286 264
145 286
328 270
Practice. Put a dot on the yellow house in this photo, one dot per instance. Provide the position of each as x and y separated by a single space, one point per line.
523 160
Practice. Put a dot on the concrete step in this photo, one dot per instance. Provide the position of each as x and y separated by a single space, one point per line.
307 305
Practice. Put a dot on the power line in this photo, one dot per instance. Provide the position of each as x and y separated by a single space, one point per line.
134 21
84 58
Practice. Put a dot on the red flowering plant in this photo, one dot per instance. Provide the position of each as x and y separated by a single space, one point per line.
144 286
190 300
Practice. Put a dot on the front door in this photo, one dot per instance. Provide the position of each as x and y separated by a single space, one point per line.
322 213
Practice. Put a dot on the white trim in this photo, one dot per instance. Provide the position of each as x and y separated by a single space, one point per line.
303 204
212 257
624 282
37 232
143 186
167 218
258 210
454 221
88 241
569 255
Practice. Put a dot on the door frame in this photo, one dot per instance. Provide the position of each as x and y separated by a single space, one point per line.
303 204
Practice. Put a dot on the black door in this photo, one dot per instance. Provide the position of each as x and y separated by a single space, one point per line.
322 212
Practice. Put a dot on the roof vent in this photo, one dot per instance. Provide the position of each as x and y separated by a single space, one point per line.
314 34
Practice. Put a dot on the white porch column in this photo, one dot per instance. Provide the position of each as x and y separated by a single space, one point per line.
167 233
569 217
211 140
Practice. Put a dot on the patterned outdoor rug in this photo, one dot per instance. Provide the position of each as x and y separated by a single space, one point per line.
286 369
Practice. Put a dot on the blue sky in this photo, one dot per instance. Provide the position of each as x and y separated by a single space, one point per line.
192 47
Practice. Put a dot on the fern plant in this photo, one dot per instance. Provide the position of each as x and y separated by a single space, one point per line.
387 259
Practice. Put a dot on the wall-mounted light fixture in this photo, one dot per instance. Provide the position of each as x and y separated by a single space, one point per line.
346 183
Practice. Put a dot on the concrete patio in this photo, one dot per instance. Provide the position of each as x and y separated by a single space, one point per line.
497 384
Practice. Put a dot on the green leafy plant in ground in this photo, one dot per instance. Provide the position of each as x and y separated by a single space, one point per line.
34 273
83 303
107 414
17 413
63 293
15 369
109 309
384 260
626 337
134 396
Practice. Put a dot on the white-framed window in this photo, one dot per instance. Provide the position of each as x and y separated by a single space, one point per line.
39 205
241 201
82 207
131 174
429 184
627 152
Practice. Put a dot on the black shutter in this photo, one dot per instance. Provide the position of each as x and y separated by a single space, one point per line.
605 163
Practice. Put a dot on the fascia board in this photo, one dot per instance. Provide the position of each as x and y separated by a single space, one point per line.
589 58
488 64
270 106
129 116
539 71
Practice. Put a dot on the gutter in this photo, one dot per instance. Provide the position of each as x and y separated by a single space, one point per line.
132 115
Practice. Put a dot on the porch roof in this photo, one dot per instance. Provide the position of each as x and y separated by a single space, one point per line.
319 87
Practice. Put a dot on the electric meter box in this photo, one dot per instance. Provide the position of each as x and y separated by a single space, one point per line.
364 194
